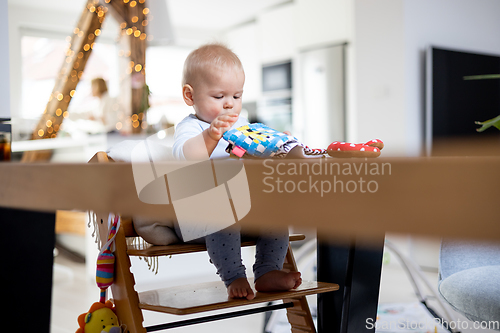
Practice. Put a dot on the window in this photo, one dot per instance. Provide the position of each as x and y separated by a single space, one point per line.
42 59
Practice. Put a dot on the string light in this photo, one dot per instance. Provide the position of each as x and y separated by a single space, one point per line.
51 124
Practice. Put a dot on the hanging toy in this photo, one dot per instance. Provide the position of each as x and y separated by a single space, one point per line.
259 140
101 316
106 262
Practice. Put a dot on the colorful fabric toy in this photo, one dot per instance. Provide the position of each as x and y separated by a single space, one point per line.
106 262
259 140
101 317
344 149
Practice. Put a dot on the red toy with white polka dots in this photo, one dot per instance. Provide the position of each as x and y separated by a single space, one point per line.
371 148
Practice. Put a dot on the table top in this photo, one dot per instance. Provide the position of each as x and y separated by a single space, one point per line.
440 196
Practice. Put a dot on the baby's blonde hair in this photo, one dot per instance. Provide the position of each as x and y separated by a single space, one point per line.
208 57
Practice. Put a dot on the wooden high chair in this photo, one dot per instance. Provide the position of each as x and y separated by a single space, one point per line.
202 297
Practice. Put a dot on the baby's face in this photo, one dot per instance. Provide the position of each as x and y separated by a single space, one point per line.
218 93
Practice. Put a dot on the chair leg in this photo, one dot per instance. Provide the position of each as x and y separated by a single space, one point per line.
125 297
299 316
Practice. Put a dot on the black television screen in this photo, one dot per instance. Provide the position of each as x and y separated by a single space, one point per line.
457 101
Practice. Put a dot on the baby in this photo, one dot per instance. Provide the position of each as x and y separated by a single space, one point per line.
212 84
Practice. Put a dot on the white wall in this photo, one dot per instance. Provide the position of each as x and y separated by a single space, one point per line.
4 60
276 37
378 58
322 22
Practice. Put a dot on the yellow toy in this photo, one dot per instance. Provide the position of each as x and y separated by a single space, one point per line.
100 318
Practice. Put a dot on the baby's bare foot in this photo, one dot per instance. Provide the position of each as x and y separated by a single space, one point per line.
240 288
278 281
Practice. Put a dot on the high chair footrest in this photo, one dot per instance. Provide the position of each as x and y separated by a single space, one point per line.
166 250
210 296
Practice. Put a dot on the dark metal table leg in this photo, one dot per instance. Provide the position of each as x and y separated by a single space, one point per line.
357 269
27 249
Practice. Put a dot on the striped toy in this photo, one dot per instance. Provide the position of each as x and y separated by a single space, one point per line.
106 261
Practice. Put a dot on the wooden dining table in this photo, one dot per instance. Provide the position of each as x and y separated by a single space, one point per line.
351 203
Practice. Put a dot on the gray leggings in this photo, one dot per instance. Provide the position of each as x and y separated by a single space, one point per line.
224 250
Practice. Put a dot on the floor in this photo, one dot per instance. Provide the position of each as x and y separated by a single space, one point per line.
73 293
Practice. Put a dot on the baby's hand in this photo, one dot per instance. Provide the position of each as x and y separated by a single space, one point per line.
221 124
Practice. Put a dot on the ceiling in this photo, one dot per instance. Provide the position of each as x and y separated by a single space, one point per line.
203 15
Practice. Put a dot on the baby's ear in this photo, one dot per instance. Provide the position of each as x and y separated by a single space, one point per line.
187 94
